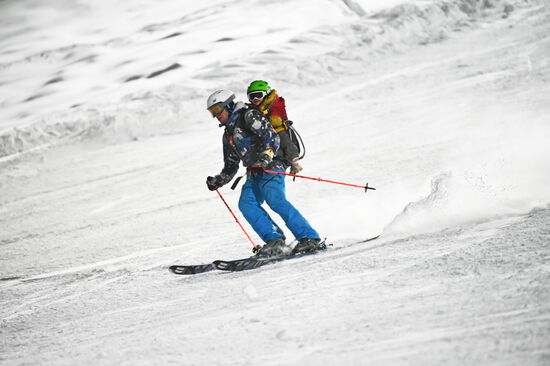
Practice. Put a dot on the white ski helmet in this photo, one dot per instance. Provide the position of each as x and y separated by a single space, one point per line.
219 100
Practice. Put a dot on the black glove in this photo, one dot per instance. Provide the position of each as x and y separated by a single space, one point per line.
215 182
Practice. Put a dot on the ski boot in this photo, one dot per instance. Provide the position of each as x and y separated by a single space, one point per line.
306 245
273 248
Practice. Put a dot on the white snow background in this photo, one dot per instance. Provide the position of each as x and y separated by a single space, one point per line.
105 145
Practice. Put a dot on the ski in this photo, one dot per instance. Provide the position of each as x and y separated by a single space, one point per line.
369 239
253 262
191 269
235 265
244 264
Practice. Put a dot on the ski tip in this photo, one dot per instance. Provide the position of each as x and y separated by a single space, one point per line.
179 270
371 239
175 269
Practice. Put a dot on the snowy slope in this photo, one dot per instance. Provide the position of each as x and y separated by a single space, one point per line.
105 145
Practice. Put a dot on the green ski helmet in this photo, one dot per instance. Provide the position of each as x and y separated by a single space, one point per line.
258 85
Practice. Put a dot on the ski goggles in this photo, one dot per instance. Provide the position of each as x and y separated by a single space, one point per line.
216 109
257 95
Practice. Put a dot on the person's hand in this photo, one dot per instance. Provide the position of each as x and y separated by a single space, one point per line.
265 158
214 182
295 167
257 170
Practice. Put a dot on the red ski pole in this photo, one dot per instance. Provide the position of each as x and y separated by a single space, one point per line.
365 187
238 222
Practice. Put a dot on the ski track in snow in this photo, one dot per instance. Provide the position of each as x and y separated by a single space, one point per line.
442 107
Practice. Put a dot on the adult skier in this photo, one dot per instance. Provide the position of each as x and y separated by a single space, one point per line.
272 105
250 138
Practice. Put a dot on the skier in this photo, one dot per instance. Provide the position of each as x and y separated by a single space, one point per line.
250 138
267 101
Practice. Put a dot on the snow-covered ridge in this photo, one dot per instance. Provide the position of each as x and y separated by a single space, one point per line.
77 94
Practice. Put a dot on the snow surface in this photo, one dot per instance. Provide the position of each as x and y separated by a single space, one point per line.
105 145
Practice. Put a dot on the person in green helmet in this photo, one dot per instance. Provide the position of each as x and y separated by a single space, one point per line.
267 101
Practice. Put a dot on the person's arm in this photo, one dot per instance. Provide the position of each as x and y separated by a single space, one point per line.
230 162
230 168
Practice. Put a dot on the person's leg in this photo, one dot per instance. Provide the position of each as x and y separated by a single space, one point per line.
250 205
272 187
289 147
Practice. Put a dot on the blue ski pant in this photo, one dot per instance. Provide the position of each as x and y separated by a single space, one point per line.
271 189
